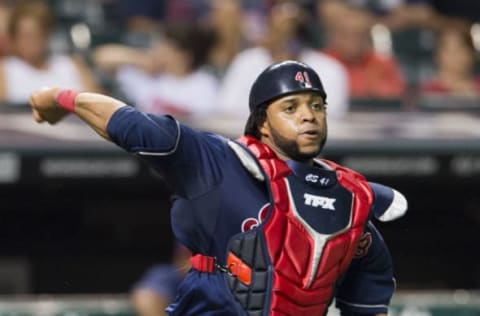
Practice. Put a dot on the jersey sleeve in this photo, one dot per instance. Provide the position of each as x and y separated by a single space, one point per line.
389 204
189 161
136 131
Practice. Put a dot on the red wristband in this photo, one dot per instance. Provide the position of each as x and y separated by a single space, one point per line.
66 99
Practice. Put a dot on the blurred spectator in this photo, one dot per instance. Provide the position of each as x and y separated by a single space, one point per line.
158 286
232 22
31 65
226 18
397 15
404 28
371 75
5 9
169 77
189 10
141 15
150 15
286 37
455 58
463 9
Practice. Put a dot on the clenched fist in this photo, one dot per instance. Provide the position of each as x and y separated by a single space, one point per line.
45 107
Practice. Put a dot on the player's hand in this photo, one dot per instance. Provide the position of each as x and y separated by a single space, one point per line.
45 107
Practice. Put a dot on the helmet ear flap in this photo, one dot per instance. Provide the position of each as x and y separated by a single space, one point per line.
284 78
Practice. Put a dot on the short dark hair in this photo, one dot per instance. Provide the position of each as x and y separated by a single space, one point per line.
256 118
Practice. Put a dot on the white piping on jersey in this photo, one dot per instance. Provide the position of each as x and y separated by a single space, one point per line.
361 305
319 240
146 153
247 160
397 208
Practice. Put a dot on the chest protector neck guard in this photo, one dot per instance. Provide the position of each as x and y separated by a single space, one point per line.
290 263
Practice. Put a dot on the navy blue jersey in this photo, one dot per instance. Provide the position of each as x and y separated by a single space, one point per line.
162 279
215 199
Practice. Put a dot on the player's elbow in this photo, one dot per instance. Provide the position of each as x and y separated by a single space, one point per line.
397 208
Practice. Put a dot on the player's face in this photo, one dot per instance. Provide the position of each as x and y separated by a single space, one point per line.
295 126
30 41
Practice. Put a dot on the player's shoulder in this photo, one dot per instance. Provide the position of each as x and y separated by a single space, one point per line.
388 203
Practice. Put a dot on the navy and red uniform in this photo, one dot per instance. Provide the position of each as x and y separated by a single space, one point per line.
219 201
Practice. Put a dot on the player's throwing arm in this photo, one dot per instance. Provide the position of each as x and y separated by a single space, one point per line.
52 104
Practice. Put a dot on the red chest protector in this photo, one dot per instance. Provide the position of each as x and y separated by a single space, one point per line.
285 267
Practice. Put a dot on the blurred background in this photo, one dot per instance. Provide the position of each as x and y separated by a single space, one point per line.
81 222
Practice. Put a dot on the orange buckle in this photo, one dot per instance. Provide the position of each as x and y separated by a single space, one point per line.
239 269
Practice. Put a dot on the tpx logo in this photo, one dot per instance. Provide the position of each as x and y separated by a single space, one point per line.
316 201
303 78
251 223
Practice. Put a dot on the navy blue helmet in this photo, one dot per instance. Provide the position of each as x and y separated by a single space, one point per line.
283 78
